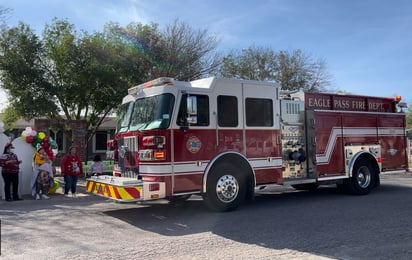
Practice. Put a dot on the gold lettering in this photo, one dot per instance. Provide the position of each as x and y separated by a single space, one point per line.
319 102
341 104
311 102
358 105
373 106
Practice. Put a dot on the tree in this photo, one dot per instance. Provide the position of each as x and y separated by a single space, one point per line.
3 12
67 75
22 73
292 70
178 51
61 75
9 118
254 63
188 54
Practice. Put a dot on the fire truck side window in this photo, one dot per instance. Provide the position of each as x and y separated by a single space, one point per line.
202 111
259 112
227 113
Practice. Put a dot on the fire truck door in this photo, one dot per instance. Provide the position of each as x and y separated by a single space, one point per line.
393 140
327 140
193 143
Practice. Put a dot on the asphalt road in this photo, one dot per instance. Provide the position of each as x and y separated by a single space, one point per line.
279 224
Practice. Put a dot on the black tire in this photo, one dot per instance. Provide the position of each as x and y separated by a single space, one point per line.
363 178
306 186
225 188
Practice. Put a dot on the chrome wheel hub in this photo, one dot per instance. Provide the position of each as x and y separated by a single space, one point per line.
227 188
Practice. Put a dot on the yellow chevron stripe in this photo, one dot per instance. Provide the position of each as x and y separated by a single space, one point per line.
108 191
113 194
124 194
106 194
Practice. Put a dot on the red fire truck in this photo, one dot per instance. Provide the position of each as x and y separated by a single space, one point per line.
225 138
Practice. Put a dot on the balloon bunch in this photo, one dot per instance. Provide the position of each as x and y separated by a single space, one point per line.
40 140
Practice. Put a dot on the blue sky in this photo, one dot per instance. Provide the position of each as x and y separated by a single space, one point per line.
367 44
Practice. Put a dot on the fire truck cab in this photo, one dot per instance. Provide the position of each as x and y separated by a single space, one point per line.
225 138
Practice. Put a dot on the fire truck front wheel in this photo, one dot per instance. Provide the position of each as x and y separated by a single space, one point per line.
363 178
226 188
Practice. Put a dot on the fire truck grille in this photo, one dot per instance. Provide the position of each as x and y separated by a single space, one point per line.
131 143
128 150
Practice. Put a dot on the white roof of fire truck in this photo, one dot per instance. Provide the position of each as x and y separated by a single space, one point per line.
205 83
211 82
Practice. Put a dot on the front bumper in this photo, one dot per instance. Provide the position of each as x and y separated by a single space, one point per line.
125 189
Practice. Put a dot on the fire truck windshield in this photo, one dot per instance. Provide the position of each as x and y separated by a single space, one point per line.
123 117
152 112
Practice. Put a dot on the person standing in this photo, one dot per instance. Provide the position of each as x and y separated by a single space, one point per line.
10 171
71 168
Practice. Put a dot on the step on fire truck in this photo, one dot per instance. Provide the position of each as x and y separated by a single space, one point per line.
225 138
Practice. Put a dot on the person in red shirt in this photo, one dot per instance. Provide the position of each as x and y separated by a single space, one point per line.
71 168
10 171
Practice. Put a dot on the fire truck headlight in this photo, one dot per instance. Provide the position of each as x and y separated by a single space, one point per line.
145 155
151 155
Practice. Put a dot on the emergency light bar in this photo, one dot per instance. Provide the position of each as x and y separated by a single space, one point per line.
156 82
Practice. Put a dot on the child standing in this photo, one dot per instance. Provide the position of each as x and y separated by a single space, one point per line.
97 166
41 163
42 183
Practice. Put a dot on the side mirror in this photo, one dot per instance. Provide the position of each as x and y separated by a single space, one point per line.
192 105
192 110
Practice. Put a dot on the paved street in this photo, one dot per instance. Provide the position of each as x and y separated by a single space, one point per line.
279 224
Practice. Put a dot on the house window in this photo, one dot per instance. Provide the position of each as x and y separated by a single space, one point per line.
58 138
100 142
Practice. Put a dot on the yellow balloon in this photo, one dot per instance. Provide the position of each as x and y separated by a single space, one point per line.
42 135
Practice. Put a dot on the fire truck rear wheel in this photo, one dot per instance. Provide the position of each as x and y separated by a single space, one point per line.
226 188
363 178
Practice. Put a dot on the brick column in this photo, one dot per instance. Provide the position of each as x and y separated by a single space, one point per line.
78 128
